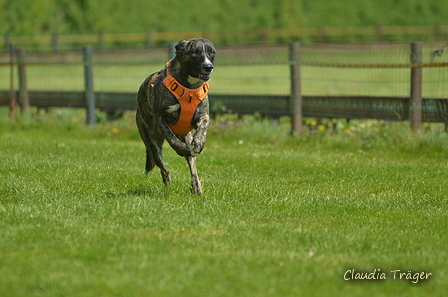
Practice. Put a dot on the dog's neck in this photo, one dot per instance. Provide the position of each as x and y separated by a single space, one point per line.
182 76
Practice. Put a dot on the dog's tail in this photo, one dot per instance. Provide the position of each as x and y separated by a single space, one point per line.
149 162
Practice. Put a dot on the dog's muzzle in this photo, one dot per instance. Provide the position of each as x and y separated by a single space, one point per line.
207 69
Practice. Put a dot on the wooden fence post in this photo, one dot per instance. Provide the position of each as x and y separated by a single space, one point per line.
416 86
149 39
24 100
88 84
101 40
296 96
7 40
12 91
438 32
379 33
264 36
55 41
172 50
321 34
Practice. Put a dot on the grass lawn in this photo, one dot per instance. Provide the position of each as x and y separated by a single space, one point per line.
280 216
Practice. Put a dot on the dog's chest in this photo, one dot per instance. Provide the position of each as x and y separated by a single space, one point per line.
186 109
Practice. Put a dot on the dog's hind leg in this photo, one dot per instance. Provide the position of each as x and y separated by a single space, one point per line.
157 157
154 157
153 142
149 162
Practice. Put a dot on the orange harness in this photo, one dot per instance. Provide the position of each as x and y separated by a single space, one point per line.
189 100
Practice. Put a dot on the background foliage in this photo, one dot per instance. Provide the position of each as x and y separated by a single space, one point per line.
30 17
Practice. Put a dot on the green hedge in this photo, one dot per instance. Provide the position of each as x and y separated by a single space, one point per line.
32 17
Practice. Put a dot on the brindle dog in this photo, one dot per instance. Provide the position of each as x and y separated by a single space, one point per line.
159 110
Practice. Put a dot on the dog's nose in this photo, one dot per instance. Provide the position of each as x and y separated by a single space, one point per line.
208 67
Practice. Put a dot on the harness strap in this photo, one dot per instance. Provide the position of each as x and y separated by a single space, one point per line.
188 99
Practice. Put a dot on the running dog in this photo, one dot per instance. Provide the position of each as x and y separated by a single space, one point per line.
173 102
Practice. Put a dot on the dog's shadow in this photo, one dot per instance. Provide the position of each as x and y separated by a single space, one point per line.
140 191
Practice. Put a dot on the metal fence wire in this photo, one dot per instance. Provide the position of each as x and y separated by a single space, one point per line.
349 81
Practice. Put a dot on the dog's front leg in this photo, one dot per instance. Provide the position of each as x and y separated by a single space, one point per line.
195 183
191 160
200 136
181 148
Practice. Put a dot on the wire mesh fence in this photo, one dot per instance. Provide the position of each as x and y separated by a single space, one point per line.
248 79
371 70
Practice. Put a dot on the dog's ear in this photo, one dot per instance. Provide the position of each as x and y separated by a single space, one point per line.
180 47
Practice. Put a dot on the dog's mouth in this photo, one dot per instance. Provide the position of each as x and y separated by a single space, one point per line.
204 76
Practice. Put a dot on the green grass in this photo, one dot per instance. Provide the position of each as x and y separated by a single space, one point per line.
280 215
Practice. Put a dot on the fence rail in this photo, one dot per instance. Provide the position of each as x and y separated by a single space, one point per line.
415 107
104 40
346 107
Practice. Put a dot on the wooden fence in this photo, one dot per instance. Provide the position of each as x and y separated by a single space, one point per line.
148 39
413 107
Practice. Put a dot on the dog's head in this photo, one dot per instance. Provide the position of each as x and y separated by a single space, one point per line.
197 56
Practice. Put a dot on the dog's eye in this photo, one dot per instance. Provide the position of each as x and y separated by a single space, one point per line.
198 51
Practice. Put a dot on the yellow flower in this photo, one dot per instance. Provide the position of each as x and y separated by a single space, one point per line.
313 123
321 127
115 131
